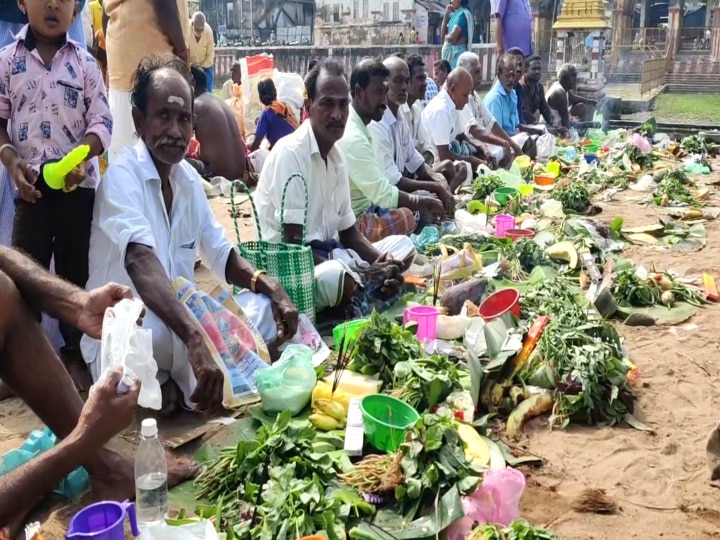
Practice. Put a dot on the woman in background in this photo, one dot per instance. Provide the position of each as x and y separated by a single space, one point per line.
276 121
456 31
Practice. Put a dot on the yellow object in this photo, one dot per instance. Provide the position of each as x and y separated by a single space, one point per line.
55 173
525 190
323 391
333 409
565 251
354 384
253 280
533 406
476 449
523 162
582 15
324 422
553 168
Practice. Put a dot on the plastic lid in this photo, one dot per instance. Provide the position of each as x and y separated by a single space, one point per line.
149 427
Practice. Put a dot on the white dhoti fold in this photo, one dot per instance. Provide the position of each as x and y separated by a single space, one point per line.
330 275
123 133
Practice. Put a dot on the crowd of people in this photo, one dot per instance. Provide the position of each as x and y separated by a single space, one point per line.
382 150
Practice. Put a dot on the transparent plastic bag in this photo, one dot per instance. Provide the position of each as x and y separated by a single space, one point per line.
126 344
287 384
496 501
201 530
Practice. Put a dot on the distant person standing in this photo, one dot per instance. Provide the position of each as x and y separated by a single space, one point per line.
456 31
513 27
202 48
135 29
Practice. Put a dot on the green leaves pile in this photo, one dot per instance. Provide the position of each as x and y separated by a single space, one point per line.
433 462
381 346
517 530
574 197
628 288
673 187
521 257
426 382
579 356
485 184
278 487
695 144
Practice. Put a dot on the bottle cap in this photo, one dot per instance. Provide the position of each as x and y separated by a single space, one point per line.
149 427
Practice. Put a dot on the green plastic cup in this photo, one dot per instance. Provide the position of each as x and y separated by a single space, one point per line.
504 193
351 329
386 420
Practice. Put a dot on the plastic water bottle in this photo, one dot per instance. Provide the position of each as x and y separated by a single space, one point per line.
151 489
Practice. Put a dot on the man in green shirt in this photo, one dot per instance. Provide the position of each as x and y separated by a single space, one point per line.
381 207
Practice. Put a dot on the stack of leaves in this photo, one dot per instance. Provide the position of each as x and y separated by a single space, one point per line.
426 382
485 184
574 197
517 530
637 157
579 355
381 346
630 289
696 144
522 257
433 461
276 486
673 190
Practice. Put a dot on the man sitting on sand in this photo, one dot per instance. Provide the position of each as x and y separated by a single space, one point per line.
344 258
151 219
569 108
221 150
33 370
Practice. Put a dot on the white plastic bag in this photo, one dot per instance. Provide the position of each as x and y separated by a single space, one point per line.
129 345
290 90
545 146
201 530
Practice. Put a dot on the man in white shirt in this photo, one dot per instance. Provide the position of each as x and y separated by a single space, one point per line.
477 122
344 258
151 218
393 143
441 118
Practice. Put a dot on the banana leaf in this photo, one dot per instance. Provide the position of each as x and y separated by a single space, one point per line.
390 524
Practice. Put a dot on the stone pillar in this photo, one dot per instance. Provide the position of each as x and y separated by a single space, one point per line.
560 43
597 68
673 32
715 41
621 27
542 33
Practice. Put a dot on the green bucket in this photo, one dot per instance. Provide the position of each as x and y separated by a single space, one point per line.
386 420
502 194
351 329
592 148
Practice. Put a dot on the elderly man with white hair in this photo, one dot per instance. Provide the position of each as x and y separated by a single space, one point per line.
202 48
478 123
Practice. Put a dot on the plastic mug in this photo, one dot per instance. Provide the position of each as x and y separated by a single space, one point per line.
503 222
554 168
426 319
103 521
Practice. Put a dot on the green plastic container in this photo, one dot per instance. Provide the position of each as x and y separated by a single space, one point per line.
386 420
591 148
351 329
502 194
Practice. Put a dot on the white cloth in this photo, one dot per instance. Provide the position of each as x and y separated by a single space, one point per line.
394 146
413 118
442 120
330 275
123 125
329 209
129 208
476 114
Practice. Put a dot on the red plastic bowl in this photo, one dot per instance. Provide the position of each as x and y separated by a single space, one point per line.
516 234
499 303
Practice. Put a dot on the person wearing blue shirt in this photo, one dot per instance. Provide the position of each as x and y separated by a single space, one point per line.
520 59
502 103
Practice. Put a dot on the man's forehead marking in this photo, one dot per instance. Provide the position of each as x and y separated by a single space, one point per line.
176 99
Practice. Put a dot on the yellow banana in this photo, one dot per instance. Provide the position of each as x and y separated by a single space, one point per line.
324 422
331 408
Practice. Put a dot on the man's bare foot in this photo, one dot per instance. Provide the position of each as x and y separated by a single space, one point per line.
114 477
5 391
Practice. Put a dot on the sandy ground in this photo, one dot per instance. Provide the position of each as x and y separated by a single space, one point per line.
659 480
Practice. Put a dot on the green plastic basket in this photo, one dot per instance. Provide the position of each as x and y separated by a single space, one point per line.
386 420
351 329
292 265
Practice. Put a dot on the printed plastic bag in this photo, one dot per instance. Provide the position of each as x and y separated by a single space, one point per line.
230 338
288 384
126 344
496 501
200 530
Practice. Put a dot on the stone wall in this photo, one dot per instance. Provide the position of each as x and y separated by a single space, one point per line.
296 59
